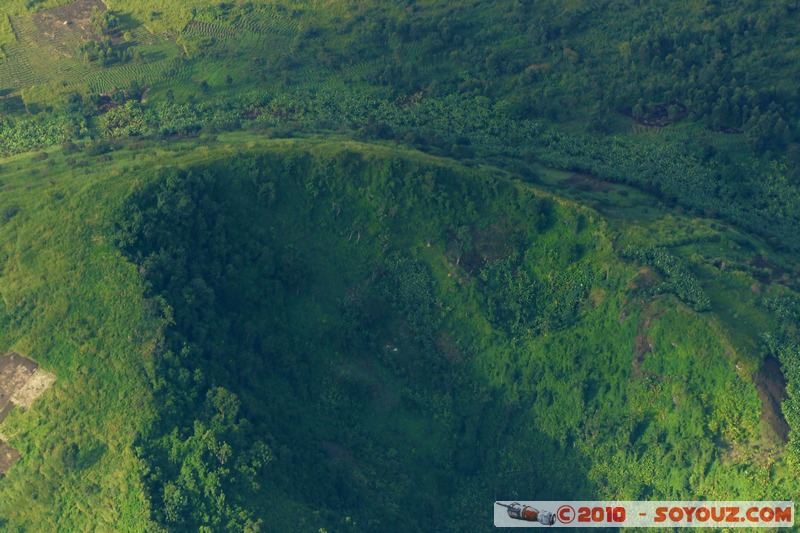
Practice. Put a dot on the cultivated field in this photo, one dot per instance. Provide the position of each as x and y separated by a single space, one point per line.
67 27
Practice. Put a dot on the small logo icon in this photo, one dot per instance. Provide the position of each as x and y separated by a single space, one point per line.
565 514
518 511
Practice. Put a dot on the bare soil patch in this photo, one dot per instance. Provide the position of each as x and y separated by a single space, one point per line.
596 296
646 278
21 382
771 387
39 382
8 456
66 27
642 345
15 372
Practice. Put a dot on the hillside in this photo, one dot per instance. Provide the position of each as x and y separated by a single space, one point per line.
291 263
435 306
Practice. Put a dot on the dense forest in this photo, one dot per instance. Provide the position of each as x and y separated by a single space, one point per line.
315 266
255 307
317 289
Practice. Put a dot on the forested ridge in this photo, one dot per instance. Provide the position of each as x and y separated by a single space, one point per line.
342 266
310 344
239 282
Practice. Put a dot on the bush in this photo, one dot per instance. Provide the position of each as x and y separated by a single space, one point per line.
70 147
9 213
679 281
98 148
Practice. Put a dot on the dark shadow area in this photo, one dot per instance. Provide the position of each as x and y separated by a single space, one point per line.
294 333
771 386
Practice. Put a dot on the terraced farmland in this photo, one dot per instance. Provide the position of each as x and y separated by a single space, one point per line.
36 60
107 80
66 28
15 69
46 53
47 49
49 61
270 22
218 32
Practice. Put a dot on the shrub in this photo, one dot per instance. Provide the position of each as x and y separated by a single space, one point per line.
70 147
98 148
9 213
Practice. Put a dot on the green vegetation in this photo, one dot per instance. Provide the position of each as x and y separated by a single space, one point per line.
294 262
678 280
436 307
262 53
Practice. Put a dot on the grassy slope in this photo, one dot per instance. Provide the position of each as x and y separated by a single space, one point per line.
75 305
72 303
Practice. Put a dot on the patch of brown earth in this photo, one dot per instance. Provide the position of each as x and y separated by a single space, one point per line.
771 387
8 456
646 278
641 347
15 372
67 26
642 344
21 382
596 296
39 382
764 271
80 10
